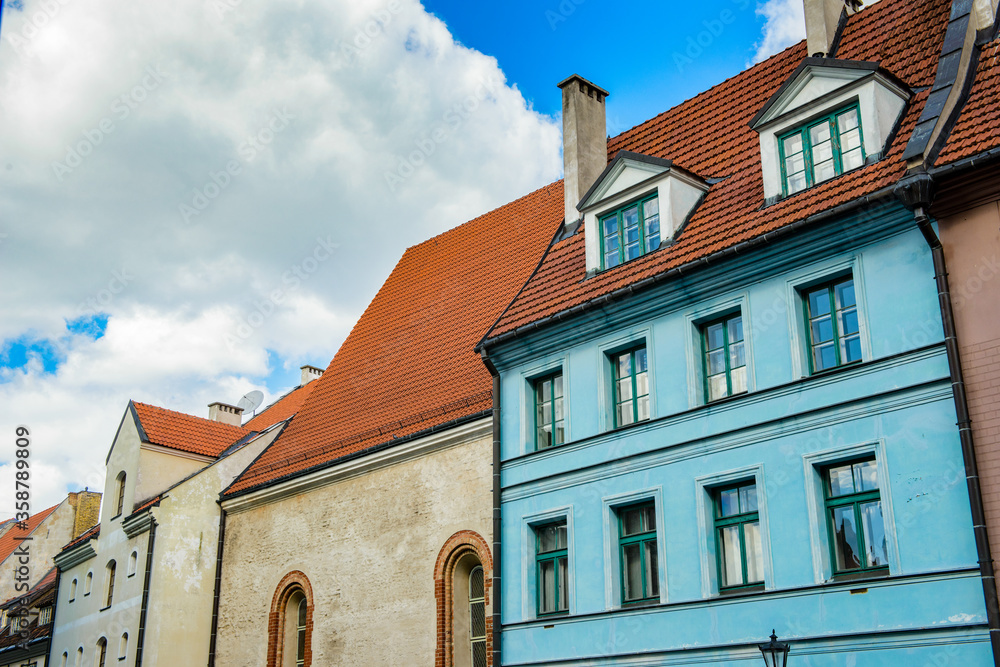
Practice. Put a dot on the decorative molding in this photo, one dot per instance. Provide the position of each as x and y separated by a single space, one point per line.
139 523
453 437
80 554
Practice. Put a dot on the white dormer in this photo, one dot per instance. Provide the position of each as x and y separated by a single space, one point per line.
637 204
830 117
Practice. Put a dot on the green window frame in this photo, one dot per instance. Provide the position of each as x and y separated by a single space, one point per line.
724 360
637 551
477 615
300 633
738 541
853 506
552 568
821 149
630 232
630 386
833 328
550 427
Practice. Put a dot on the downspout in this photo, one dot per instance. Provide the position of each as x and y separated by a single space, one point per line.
145 595
218 588
55 608
496 509
916 191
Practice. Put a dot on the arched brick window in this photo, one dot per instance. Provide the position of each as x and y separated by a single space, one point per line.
289 628
462 580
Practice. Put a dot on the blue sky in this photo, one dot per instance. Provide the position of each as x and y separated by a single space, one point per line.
648 55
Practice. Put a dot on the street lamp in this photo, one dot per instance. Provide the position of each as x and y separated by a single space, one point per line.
775 652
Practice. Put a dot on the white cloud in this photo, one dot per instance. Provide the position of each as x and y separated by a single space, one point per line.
283 127
784 25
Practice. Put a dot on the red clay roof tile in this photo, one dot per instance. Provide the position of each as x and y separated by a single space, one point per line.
186 433
978 127
709 135
409 364
11 539
282 409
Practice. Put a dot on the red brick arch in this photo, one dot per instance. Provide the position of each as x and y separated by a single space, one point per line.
290 584
459 545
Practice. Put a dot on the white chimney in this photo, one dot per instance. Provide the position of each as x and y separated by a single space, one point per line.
585 139
823 23
225 413
309 373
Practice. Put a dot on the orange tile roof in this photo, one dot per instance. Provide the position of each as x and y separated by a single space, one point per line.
186 433
91 532
409 364
978 127
709 135
9 541
282 409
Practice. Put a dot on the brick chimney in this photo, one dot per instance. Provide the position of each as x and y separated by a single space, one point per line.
86 510
824 19
225 413
309 373
585 139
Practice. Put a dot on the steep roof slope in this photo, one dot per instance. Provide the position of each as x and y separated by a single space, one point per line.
409 364
11 539
977 129
709 135
281 409
186 433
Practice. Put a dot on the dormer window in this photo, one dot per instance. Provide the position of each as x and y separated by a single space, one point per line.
822 149
631 231
829 117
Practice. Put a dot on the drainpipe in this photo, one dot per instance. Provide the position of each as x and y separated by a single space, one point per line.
55 608
496 508
218 588
916 191
145 595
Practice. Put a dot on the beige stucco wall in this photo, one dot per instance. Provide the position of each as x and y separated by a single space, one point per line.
972 250
368 544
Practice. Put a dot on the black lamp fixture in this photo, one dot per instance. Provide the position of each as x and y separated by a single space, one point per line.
775 652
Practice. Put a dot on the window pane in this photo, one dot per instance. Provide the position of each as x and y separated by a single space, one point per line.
642 384
735 330
611 226
623 365
819 303
792 145
563 570
819 133
477 588
796 183
845 294
551 538
630 217
559 435
632 571
824 356
874 531
546 409
713 336
717 387
478 610
632 521
847 120
611 259
625 389
545 391
301 654
479 653
755 554
732 564
729 502
543 438
823 152
850 141
640 360
851 350
648 514
849 322
824 171
739 380
642 408
795 164
625 416
716 362
845 538
736 356
865 476
546 587
557 386
841 479
652 571
822 330
302 613
748 498
852 159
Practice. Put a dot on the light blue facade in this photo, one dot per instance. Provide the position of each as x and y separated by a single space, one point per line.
896 405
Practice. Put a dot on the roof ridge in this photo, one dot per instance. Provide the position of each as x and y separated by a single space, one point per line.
188 416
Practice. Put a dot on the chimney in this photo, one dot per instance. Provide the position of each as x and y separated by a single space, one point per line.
309 373
86 511
824 19
225 413
585 139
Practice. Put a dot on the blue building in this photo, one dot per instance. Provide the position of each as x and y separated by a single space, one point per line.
725 398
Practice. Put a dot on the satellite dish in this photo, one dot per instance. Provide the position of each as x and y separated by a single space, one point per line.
251 401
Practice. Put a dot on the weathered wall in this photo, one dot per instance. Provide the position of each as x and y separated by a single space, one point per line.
972 248
369 545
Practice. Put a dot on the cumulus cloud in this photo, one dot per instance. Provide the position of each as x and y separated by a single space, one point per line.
228 183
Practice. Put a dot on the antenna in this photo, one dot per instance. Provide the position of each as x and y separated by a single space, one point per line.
251 401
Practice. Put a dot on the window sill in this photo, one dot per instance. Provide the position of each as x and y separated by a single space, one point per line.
115 517
741 590
638 604
86 595
861 575
835 369
104 609
129 576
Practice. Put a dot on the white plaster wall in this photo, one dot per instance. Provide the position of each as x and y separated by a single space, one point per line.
368 545
47 540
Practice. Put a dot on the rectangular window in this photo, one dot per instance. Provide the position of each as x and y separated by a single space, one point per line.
820 150
549 426
737 535
854 515
637 544
45 616
552 568
832 326
724 358
631 386
631 231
